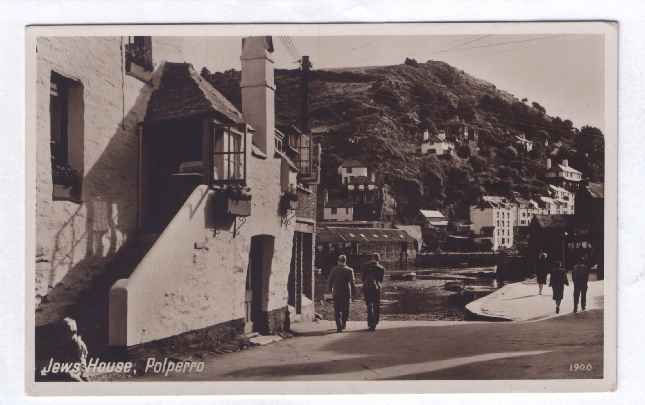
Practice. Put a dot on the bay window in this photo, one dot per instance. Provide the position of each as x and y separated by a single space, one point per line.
227 157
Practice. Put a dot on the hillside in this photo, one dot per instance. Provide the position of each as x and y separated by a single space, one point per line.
377 115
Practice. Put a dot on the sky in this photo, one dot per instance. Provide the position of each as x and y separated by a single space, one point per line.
564 73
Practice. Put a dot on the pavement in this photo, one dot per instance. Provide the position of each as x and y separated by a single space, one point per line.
521 302
536 344
432 350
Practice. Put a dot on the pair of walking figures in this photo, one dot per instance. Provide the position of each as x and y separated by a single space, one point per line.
342 284
559 279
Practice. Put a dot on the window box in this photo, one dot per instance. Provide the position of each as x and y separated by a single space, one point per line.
288 201
66 182
234 201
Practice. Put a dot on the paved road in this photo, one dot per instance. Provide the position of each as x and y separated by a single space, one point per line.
521 302
420 350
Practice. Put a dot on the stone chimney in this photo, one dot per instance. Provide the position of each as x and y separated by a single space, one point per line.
258 90
565 162
548 164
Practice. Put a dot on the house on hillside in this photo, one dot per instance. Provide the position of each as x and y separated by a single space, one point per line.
560 236
338 209
434 219
163 211
590 211
523 143
354 169
563 175
525 210
564 197
436 144
494 217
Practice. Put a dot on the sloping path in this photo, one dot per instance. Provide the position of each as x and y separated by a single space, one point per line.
418 350
521 302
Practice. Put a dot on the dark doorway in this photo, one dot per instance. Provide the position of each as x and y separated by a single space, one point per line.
257 282
171 159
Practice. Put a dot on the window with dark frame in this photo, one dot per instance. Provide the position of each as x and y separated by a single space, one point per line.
65 109
228 155
305 167
138 51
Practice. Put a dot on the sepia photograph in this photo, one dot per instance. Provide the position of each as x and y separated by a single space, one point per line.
429 203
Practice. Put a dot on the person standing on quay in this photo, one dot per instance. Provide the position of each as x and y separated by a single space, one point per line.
541 270
372 279
341 285
580 278
557 282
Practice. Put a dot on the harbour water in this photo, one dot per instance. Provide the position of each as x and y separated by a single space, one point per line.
434 294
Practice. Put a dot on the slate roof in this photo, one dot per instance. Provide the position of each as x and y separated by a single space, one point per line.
182 92
331 234
553 221
353 163
339 203
360 180
569 169
432 214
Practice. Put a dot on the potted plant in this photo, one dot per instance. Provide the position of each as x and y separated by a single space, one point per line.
289 200
66 181
235 200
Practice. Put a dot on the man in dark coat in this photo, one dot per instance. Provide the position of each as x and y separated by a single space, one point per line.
580 276
373 274
500 273
341 284
557 282
541 270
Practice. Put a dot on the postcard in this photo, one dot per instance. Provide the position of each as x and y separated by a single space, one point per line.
331 208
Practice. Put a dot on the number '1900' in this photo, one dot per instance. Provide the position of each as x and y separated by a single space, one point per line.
580 367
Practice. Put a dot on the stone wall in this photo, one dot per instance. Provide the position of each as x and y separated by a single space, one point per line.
195 275
75 240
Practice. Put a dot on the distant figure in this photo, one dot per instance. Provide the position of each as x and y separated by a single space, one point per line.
557 282
372 279
501 268
541 270
580 276
341 284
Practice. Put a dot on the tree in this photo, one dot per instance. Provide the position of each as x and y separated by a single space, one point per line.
538 107
411 62
466 109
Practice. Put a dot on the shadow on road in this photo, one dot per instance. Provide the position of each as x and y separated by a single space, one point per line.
568 337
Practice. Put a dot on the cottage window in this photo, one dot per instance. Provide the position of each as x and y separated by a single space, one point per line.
349 170
66 132
138 51
334 211
228 154
305 168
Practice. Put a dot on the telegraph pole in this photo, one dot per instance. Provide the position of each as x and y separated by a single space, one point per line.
305 68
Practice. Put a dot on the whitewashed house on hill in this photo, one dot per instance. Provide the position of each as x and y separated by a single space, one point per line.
494 217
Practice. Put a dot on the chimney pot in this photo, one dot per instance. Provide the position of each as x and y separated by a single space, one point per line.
258 90
548 164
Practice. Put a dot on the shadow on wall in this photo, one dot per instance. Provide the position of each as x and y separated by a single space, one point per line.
107 245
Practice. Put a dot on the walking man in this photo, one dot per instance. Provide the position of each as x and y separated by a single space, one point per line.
372 279
580 278
341 285
541 269
557 282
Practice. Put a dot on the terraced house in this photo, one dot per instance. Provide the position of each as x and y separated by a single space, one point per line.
163 211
